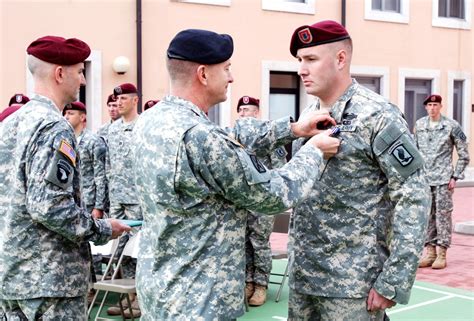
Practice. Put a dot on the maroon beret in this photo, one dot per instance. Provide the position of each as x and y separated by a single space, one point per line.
77 105
433 99
247 100
59 51
320 33
18 99
126 88
8 111
111 98
150 104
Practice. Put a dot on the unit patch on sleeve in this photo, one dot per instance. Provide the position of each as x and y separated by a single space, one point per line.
401 154
257 164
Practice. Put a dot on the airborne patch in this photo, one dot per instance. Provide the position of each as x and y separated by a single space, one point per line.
257 164
68 151
401 154
280 151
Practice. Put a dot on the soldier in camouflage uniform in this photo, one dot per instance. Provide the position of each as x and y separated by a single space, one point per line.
354 244
122 189
196 184
112 109
436 137
92 153
258 253
44 262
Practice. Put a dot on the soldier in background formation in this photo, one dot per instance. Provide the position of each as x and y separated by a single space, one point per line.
196 184
14 104
150 104
112 109
258 254
437 136
92 159
119 169
355 242
44 232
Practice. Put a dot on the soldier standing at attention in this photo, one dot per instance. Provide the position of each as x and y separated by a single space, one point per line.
258 254
44 261
119 170
436 136
354 244
92 153
196 184
122 190
112 109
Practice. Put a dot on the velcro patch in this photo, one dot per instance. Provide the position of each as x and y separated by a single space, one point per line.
68 151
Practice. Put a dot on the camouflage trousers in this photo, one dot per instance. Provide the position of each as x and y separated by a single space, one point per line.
46 309
303 307
440 222
126 212
258 254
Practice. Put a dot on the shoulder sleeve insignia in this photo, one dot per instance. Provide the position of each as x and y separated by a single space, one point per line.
68 151
257 164
281 152
459 134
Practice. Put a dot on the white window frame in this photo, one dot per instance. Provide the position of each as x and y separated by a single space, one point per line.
371 71
285 6
94 88
466 98
453 23
387 16
288 66
224 3
411 73
226 110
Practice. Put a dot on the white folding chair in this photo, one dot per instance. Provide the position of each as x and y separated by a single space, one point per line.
124 287
281 225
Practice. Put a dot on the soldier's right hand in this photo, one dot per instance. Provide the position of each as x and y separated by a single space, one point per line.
327 144
118 228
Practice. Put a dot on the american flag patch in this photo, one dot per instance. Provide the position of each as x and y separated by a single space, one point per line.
68 151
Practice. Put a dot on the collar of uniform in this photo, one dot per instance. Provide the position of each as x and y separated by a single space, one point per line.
48 102
441 123
338 108
185 103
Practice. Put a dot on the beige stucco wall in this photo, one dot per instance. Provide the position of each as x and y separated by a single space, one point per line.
109 28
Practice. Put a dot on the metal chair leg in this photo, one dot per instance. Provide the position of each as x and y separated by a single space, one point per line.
282 284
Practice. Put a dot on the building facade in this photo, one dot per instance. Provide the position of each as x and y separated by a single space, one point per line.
403 49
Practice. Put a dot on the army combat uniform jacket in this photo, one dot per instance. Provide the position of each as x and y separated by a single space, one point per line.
92 151
42 227
119 166
195 185
364 223
436 144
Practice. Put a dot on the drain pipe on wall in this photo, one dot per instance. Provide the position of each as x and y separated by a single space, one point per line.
343 13
139 54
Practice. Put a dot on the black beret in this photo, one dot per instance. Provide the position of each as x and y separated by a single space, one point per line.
433 99
201 46
320 33
59 51
18 99
126 88
77 105
247 100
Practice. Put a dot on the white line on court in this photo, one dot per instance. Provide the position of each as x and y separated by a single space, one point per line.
279 318
444 292
420 304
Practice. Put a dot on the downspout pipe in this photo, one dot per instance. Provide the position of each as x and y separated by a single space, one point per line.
343 13
139 54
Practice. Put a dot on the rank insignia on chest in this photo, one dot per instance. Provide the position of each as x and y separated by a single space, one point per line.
401 154
66 149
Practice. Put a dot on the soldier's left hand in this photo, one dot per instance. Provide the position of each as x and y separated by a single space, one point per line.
451 184
307 125
376 302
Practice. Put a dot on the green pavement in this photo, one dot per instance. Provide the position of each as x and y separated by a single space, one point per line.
428 302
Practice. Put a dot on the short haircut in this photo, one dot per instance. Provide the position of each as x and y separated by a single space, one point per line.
180 70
